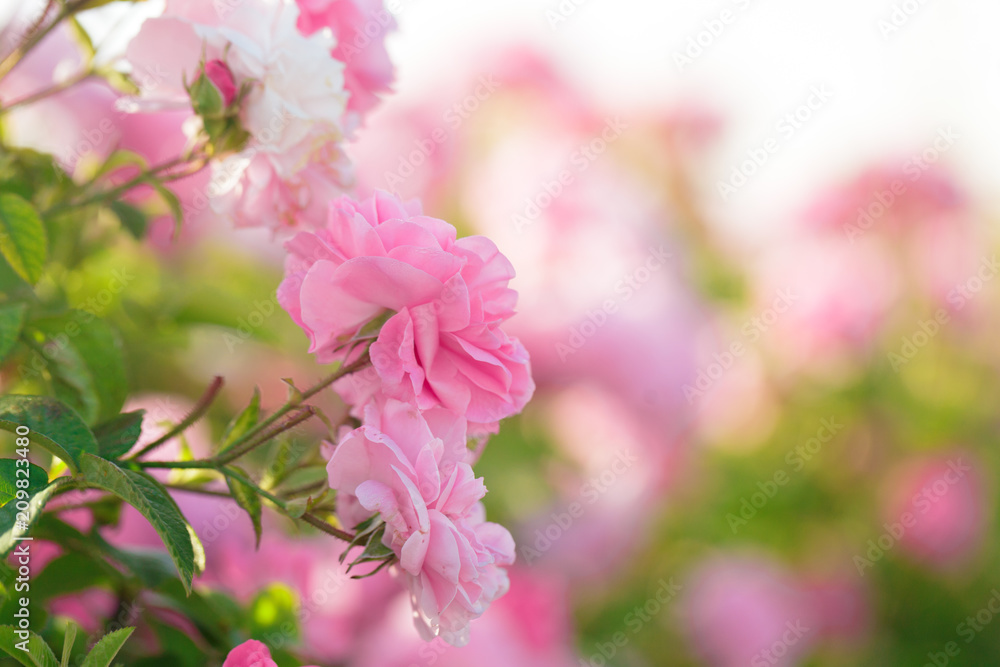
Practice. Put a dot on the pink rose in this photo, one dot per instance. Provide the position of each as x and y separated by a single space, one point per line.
411 468
445 299
221 77
250 653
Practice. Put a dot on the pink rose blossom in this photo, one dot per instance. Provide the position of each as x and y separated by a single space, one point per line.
445 299
250 653
222 78
294 111
411 468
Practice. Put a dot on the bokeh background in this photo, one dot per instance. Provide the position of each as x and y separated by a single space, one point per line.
756 254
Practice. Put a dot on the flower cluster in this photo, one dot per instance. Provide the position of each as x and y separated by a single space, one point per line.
442 369
276 86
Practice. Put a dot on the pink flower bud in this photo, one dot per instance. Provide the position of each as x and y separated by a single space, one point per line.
221 76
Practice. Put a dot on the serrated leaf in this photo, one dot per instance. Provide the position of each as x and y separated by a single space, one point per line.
23 241
51 425
9 476
38 654
84 356
131 218
242 422
151 499
12 517
248 499
11 321
118 435
105 650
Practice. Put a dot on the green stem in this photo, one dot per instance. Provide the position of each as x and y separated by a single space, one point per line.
317 522
79 77
37 33
199 409
294 402
234 474
135 181
234 453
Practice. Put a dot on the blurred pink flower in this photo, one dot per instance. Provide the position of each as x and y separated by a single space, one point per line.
744 611
528 627
445 299
411 468
939 504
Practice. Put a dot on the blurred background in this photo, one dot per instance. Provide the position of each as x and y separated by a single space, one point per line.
756 249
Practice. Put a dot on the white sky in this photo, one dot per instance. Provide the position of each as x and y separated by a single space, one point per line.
890 93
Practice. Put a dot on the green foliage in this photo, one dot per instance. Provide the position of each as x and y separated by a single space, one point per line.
11 321
153 502
16 522
84 359
51 424
23 241
118 435
107 648
38 654
32 475
247 498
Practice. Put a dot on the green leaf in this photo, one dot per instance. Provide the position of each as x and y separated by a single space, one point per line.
172 202
84 356
51 425
242 422
68 642
23 242
374 549
17 522
118 435
248 499
105 650
38 654
131 218
9 475
153 502
11 321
